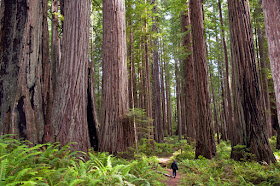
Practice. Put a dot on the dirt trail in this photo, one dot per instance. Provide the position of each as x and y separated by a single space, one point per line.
171 181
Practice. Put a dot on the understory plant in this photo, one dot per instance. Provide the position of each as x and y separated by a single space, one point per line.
49 164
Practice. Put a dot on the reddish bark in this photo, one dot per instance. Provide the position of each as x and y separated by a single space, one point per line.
249 119
205 143
70 102
271 9
117 133
189 88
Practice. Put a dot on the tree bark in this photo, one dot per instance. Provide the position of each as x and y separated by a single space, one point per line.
117 132
178 96
263 72
189 77
205 143
47 78
215 108
70 102
163 96
22 55
271 11
158 128
168 100
55 61
228 91
249 119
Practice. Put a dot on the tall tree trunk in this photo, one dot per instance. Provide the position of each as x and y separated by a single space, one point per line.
148 80
178 96
132 76
205 143
163 97
224 111
215 108
47 78
22 54
189 78
228 91
263 72
55 61
271 11
70 102
117 133
92 115
141 67
168 100
158 128
249 119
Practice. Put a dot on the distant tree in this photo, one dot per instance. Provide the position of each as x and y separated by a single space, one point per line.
249 119
227 102
157 115
205 143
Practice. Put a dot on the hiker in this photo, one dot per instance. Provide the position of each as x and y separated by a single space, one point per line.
174 167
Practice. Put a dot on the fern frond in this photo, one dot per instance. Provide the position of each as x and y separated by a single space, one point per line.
3 168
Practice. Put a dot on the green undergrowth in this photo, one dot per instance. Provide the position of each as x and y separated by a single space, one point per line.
223 170
166 149
50 164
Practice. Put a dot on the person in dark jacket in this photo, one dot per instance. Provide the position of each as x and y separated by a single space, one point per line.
174 167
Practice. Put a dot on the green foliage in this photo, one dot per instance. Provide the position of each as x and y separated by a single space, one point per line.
50 164
141 120
223 170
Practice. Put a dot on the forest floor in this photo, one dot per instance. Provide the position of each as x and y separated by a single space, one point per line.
164 162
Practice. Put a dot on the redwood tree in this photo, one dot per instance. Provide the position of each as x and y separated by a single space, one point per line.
70 103
116 131
249 119
22 56
205 143
189 88
157 115
271 11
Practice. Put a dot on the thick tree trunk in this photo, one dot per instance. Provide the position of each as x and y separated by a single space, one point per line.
205 143
189 78
70 102
271 11
117 132
21 80
249 119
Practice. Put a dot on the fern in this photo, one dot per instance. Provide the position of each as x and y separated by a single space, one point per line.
3 168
